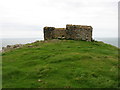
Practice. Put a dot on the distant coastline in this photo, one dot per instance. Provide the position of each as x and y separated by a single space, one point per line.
112 41
13 41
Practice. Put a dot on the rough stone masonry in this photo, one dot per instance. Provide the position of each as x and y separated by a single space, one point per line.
73 32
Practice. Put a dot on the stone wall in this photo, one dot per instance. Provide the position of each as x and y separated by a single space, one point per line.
59 33
48 33
75 32
79 32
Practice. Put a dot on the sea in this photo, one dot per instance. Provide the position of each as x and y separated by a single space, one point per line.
13 41
111 41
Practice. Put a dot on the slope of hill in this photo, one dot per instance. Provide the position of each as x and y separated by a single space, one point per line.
61 64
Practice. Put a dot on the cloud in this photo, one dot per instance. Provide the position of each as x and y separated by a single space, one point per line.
20 30
28 17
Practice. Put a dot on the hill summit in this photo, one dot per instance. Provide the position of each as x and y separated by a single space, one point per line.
61 64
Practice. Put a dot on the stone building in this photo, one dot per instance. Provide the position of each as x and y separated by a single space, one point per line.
74 32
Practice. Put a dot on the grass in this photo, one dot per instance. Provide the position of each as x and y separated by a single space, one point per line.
61 64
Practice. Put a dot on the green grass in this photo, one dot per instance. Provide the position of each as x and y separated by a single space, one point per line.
61 64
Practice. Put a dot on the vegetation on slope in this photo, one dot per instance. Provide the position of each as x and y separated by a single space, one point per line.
61 64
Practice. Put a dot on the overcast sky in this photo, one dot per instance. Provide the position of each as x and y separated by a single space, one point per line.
26 18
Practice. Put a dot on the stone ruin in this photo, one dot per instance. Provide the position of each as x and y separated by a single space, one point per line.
73 32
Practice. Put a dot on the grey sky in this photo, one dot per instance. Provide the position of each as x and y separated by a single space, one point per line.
26 18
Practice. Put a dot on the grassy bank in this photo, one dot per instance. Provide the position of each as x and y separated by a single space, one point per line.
61 64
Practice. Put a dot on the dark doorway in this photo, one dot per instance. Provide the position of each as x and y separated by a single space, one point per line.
63 36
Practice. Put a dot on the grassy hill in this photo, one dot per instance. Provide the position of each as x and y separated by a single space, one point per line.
61 64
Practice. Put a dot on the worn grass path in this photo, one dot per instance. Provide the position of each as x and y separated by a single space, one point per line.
61 64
